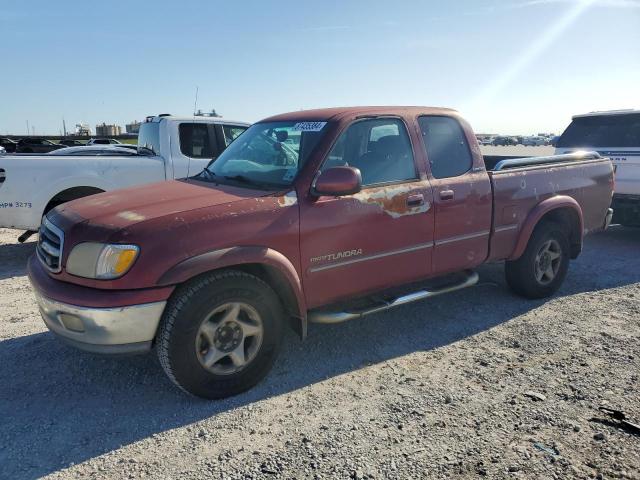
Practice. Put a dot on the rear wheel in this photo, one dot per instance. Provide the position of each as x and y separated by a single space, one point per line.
541 269
220 334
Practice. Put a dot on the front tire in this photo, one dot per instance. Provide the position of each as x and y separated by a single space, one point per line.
220 334
543 266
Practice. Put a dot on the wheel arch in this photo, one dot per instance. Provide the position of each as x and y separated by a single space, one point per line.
265 263
71 193
561 209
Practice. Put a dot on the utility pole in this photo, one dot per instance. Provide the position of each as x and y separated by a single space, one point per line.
64 127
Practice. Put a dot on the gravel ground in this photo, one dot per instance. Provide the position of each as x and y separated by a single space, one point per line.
478 382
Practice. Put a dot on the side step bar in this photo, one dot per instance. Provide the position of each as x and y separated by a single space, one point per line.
320 316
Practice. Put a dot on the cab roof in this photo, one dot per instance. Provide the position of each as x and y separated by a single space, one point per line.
196 118
629 111
337 113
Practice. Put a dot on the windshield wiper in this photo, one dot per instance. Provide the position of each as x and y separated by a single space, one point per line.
239 178
145 151
207 175
249 181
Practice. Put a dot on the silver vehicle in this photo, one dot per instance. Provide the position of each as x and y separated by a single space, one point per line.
103 141
121 149
534 141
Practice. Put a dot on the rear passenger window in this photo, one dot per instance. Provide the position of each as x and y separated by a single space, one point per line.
195 141
380 148
447 148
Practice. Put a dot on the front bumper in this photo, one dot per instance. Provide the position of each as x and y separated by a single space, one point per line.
98 320
120 330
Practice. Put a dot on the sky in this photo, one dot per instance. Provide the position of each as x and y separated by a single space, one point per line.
509 66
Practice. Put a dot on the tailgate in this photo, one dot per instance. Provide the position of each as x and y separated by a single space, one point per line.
627 168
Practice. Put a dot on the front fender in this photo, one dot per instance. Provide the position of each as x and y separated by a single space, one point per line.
536 214
235 256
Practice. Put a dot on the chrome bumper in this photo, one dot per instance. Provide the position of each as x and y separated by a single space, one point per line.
607 219
103 330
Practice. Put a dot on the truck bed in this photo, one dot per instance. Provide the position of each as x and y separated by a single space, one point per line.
519 188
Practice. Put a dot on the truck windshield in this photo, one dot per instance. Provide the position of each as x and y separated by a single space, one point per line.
603 131
268 154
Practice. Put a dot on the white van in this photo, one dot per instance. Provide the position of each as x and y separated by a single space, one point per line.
614 134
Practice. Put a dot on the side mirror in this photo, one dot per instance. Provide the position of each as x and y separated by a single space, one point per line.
337 181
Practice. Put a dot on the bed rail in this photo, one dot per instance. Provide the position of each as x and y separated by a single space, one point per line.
528 161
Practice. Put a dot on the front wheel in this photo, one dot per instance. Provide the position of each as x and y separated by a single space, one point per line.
543 266
220 334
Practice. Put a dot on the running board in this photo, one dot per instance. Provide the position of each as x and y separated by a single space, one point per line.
320 316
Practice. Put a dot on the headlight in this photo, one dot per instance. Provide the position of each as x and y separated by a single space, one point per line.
101 261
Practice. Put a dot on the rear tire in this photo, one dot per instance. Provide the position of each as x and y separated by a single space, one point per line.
220 334
543 266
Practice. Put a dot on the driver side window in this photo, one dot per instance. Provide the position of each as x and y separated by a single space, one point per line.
380 148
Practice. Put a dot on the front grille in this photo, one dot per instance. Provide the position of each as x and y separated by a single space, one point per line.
50 244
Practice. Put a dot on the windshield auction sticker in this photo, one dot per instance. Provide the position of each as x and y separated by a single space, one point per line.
309 126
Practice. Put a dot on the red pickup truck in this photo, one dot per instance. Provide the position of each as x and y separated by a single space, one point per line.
312 216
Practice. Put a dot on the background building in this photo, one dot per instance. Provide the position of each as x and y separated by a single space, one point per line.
82 130
133 127
105 130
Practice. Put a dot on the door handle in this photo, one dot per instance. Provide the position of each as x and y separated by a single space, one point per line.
446 195
415 200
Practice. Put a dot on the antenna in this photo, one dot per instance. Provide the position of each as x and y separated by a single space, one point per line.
195 104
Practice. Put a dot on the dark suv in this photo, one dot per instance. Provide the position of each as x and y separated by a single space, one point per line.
8 144
68 142
36 145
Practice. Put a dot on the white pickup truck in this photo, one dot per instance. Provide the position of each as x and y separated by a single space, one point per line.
169 147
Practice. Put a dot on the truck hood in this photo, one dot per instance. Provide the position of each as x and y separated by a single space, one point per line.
122 208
